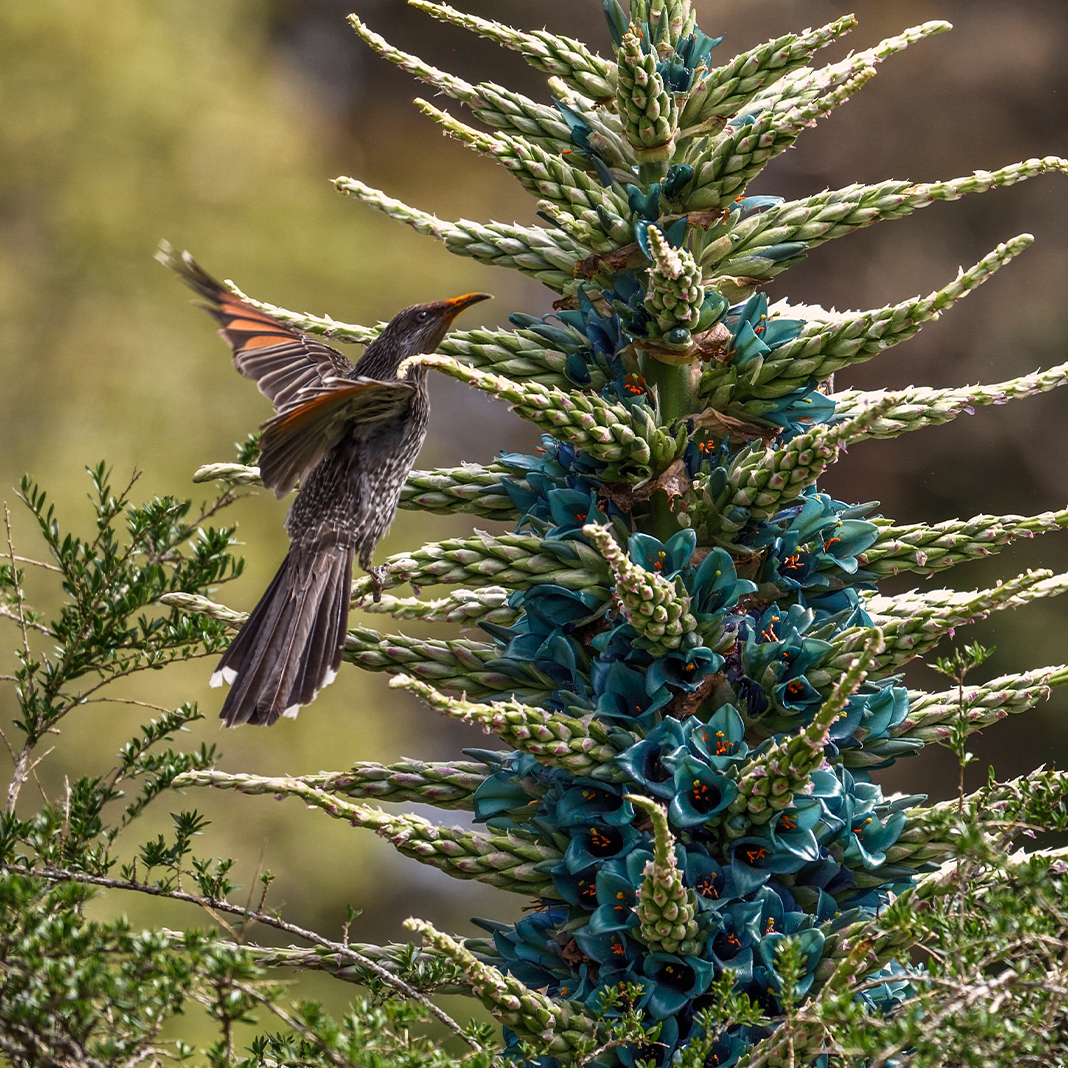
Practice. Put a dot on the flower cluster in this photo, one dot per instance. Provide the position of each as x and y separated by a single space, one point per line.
693 722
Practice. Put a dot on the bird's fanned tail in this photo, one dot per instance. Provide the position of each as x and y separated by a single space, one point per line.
290 646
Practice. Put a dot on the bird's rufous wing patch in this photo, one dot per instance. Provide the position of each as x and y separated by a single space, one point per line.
282 361
298 437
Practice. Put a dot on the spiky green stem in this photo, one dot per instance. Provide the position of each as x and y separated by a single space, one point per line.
859 206
582 746
569 59
508 861
727 89
736 156
826 346
545 174
487 605
913 626
920 407
547 255
449 785
559 1027
917 547
493 104
517 561
624 436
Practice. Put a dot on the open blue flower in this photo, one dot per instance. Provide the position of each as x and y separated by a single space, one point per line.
623 696
682 669
701 793
594 842
587 800
812 943
676 980
721 741
617 892
665 559
651 762
529 949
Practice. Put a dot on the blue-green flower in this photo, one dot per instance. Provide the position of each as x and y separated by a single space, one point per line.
665 559
622 695
721 741
676 980
701 793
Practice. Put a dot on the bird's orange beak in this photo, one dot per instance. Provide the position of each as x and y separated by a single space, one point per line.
458 304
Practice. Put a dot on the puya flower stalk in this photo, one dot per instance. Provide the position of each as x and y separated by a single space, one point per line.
684 651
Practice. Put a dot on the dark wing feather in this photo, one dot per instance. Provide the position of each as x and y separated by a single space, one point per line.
298 437
281 361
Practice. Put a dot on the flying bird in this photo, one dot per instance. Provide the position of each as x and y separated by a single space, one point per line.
349 434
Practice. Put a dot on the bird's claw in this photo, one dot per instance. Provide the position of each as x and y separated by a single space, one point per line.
378 581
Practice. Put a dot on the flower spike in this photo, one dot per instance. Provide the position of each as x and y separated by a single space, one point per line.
657 609
665 908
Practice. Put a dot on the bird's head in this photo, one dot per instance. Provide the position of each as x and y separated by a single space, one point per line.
419 328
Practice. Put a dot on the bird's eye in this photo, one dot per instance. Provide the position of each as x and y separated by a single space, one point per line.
422 316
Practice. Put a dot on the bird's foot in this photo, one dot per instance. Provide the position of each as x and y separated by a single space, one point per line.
378 577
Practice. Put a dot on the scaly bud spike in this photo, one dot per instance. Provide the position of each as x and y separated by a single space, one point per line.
763 480
726 167
503 860
567 58
555 739
449 785
927 549
625 436
549 256
647 110
914 625
666 908
559 1027
826 346
674 295
860 206
657 609
727 90
768 782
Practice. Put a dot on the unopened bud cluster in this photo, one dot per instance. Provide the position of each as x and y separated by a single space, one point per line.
646 109
674 295
657 609
665 908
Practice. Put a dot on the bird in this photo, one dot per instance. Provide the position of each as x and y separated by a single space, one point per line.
348 434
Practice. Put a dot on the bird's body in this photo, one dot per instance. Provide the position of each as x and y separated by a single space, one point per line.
349 434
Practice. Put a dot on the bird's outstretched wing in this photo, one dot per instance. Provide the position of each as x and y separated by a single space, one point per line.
298 437
281 361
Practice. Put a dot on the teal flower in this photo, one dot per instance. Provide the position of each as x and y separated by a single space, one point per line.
616 890
594 842
721 741
682 669
676 981
812 943
701 793
651 762
623 695
665 559
587 800
716 585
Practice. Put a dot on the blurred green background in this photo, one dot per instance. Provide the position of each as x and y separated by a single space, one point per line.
218 125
